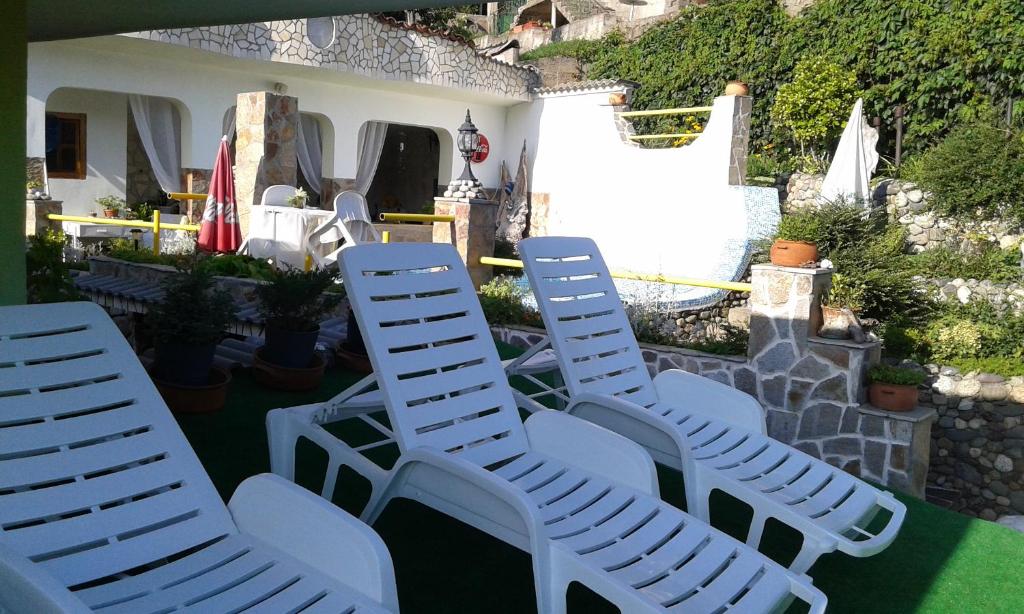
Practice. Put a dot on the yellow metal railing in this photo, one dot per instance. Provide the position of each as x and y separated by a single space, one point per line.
735 286
423 218
186 196
681 135
155 225
677 111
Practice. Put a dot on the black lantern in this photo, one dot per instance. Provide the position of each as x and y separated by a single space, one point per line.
469 140
136 237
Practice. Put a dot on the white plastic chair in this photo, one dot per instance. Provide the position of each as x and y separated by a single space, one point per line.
350 224
714 433
103 504
580 499
277 195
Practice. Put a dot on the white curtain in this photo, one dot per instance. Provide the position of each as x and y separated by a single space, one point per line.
160 132
309 150
228 129
371 143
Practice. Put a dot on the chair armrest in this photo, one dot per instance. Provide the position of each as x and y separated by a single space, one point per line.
710 399
317 533
26 587
592 448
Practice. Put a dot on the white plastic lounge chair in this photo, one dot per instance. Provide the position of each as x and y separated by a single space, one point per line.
351 224
104 506
714 433
580 499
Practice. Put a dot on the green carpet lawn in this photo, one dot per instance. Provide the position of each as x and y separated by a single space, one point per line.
941 562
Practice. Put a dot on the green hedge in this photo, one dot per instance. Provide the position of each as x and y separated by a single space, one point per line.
944 60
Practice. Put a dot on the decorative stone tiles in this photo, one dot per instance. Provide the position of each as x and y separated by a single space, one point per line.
361 45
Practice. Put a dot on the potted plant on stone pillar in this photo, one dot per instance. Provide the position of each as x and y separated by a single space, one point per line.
186 325
111 205
894 388
839 310
292 304
794 244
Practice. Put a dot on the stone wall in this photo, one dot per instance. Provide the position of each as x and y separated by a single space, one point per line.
977 452
35 170
799 191
362 45
908 205
1000 295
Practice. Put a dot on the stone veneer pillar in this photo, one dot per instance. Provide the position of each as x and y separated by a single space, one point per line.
265 150
474 232
36 212
813 388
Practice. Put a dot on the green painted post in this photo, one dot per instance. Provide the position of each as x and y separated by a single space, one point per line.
13 92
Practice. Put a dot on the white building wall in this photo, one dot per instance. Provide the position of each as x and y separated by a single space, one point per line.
205 85
106 139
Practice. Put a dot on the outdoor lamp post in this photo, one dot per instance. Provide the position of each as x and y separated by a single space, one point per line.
469 140
466 185
136 237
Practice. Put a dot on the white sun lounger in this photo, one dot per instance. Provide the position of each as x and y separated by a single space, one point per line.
104 506
580 499
714 433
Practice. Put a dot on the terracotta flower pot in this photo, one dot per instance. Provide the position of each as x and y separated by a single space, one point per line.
110 213
793 253
736 88
617 99
835 323
893 397
203 398
285 378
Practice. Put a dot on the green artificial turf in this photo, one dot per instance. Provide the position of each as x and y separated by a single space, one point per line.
941 561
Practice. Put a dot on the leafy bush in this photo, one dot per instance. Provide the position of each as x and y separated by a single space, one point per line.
502 302
845 292
813 107
584 51
193 310
954 338
48 276
988 261
1001 365
725 340
842 225
647 322
799 226
976 171
236 265
885 374
296 300
115 203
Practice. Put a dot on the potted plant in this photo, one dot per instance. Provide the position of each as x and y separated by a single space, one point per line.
795 238
894 388
186 325
298 200
111 205
292 304
736 88
839 309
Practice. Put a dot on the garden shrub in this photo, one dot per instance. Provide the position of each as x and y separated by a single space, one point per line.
986 261
502 303
814 106
887 374
48 276
976 171
801 225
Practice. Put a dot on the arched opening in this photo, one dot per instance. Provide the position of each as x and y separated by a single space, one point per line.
410 171
315 152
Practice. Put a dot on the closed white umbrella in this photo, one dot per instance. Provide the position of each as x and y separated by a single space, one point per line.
854 161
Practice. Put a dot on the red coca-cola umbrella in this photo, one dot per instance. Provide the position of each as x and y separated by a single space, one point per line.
219 231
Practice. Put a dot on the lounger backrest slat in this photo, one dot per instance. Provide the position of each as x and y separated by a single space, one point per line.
432 352
589 330
96 478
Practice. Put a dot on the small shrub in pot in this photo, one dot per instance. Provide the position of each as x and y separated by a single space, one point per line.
292 304
894 388
186 326
795 240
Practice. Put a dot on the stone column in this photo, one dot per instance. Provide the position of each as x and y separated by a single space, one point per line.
740 140
265 151
474 232
36 211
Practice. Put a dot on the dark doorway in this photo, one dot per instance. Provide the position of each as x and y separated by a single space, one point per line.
406 177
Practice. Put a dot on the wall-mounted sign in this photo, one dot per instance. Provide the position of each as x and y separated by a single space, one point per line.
482 150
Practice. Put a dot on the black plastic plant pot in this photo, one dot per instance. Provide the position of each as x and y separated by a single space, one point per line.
184 363
289 348
354 338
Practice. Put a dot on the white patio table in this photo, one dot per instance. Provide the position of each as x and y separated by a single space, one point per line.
282 233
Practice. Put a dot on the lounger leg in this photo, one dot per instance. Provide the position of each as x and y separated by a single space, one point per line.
698 504
281 440
552 588
756 530
809 553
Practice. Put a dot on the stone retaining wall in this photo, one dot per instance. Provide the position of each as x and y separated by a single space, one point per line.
977 452
1000 295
